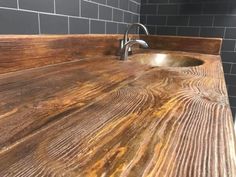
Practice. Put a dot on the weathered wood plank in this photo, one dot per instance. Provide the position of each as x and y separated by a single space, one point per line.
33 98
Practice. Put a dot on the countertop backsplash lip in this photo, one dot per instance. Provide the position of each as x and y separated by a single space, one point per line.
31 48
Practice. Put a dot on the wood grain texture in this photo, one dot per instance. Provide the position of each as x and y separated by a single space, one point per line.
33 98
31 51
187 44
103 117
23 52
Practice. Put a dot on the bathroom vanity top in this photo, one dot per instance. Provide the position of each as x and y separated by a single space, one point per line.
97 116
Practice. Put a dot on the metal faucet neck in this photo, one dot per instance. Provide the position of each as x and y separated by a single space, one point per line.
125 50
132 26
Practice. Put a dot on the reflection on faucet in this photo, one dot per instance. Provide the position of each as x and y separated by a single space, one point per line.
126 45
125 49
132 26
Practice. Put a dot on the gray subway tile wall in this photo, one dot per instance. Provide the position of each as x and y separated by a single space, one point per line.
78 25
205 18
67 16
42 5
97 27
8 3
69 8
53 24
18 22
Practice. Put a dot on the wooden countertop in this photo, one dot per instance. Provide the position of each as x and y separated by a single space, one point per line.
103 117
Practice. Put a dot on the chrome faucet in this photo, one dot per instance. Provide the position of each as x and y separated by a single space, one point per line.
126 44
125 49
132 26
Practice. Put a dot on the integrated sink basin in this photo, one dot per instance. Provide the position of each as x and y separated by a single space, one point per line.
166 60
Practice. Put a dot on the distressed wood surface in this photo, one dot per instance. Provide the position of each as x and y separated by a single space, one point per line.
31 51
33 98
187 44
103 117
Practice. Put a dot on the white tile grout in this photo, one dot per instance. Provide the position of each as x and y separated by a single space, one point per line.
98 11
18 6
111 7
135 2
80 9
128 4
112 13
39 24
231 68
54 13
235 47
105 27
48 13
54 6
89 26
117 28
68 25
224 32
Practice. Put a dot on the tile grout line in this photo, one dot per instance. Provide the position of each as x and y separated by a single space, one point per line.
235 47
112 14
224 32
105 27
68 25
39 24
18 6
98 11
111 7
231 68
54 6
61 15
80 9
89 26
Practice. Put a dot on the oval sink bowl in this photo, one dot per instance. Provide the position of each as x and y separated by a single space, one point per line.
166 60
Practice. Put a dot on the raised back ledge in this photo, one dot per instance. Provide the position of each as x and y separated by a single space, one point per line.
19 52
22 36
183 43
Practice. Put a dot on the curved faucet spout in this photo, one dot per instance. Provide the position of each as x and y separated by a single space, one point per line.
125 50
130 27
125 45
